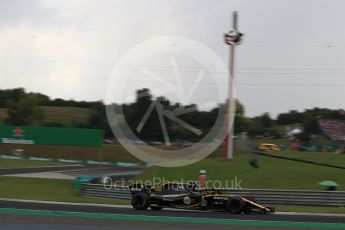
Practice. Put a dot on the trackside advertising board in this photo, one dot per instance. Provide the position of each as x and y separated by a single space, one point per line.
50 136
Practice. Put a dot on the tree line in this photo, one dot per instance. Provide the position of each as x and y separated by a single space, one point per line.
25 108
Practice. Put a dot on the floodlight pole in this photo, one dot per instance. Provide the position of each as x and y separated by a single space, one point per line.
232 38
229 118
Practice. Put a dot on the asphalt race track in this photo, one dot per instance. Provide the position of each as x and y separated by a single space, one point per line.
64 207
49 223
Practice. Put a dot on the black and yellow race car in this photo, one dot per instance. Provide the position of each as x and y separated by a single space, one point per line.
188 196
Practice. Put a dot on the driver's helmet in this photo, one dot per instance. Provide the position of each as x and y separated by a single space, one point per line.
202 171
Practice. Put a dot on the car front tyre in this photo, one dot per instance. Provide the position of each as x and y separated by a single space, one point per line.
140 201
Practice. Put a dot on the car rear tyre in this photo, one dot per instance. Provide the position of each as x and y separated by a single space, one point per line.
140 201
236 205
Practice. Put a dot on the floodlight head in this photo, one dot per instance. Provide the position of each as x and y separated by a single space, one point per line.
233 36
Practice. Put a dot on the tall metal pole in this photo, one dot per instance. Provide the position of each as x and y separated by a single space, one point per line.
230 109
232 39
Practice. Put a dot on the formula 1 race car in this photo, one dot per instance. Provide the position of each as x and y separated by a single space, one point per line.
187 196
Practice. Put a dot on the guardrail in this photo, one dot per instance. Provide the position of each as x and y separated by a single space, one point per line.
264 196
294 197
99 191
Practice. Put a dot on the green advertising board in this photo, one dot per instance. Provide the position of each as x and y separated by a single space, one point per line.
50 136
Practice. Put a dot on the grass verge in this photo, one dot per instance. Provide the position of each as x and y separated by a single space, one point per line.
46 190
273 173
108 152
7 163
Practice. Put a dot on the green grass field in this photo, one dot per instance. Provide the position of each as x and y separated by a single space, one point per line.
6 163
46 189
62 115
272 174
108 152
326 158
105 153
3 114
